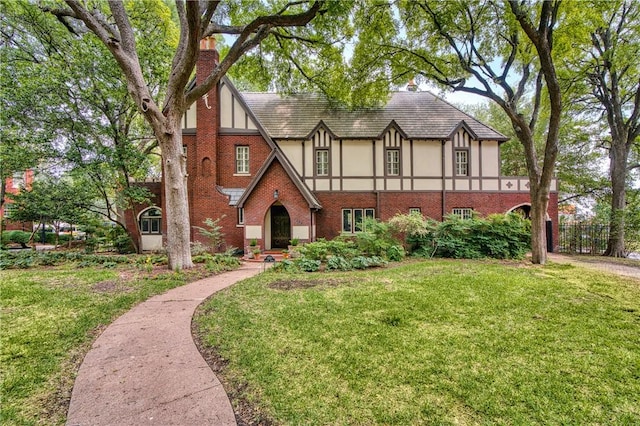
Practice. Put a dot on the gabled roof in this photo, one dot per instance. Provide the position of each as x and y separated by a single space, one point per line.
321 125
392 125
420 115
277 155
463 125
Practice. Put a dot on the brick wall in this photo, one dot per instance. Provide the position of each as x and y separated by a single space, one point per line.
7 224
387 204
262 198
131 215
259 150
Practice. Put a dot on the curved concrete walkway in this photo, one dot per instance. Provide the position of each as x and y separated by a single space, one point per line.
599 264
145 368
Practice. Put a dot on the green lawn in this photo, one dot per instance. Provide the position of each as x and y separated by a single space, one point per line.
434 342
48 319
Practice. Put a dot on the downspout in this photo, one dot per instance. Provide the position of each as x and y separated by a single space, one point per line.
378 204
312 236
444 190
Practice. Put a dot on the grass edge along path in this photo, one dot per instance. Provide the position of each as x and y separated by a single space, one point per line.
434 342
49 319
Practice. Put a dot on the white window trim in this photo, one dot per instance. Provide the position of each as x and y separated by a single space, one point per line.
150 220
392 163
463 213
462 164
17 180
325 152
366 213
242 164
240 216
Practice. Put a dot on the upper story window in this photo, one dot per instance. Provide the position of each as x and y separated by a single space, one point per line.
150 221
463 213
322 162
393 162
18 180
242 160
462 162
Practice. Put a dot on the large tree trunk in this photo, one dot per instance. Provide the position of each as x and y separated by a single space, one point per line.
619 155
175 195
539 204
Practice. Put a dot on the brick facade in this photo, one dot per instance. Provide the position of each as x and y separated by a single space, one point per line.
388 204
11 188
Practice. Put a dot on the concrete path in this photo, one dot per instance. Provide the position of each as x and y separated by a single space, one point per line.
600 264
145 369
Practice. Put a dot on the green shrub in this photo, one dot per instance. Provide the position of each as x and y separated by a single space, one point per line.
364 262
123 244
50 238
285 266
496 236
202 258
28 259
338 263
322 249
17 237
395 253
308 265
213 232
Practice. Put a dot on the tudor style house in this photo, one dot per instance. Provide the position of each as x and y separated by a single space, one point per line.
275 168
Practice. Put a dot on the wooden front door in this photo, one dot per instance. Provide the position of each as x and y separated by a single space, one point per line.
280 227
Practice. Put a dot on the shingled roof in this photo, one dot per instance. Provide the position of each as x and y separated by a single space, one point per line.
420 115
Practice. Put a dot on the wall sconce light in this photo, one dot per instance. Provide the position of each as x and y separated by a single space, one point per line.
276 194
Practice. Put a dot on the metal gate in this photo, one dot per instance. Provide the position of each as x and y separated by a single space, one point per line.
583 237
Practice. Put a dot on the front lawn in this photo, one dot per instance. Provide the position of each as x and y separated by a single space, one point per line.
48 320
434 342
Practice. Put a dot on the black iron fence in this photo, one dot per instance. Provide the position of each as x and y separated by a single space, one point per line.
583 237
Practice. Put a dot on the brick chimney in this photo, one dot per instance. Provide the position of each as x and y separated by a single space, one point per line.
412 86
204 152
208 58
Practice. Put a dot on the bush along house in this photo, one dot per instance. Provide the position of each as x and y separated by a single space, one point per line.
279 168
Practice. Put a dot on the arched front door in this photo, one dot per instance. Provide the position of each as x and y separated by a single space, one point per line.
280 226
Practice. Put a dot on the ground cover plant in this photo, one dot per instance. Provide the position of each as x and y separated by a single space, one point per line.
430 342
51 314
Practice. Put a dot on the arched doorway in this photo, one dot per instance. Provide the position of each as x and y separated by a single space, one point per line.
280 226
523 210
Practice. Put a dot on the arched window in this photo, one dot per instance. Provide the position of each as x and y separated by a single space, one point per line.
150 221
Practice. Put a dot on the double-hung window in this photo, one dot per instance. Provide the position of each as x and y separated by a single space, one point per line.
353 220
462 163
393 162
242 160
322 162
463 213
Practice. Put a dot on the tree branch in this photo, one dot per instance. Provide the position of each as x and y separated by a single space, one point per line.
251 36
